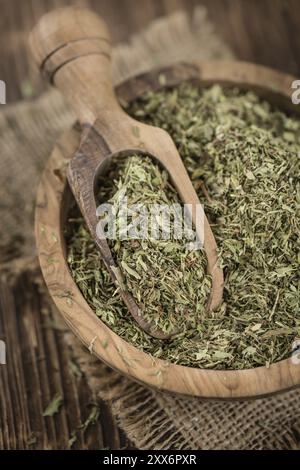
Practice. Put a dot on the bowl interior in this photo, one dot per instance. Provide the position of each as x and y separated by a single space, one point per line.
52 215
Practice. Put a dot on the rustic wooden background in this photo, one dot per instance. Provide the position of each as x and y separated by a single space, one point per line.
262 31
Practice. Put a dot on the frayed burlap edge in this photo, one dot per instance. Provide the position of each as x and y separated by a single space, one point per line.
156 420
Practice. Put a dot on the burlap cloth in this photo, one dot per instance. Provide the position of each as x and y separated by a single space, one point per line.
151 420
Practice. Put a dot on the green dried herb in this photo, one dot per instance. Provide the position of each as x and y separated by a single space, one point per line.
54 406
243 158
72 439
75 369
91 420
32 440
165 277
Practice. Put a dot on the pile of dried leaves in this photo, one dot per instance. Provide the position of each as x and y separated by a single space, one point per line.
243 158
167 279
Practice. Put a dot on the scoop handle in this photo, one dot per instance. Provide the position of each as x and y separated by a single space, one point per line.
72 48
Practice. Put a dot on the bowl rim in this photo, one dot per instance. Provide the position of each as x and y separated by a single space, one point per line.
91 330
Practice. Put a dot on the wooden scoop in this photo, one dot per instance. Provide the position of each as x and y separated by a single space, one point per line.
72 49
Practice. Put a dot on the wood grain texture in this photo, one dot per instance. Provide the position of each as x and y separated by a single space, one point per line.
39 366
263 31
110 348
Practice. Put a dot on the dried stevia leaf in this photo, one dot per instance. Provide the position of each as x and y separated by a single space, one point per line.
243 158
54 405
163 275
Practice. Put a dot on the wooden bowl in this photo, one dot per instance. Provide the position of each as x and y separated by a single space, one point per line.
53 200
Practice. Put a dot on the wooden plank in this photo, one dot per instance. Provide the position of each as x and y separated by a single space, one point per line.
18 18
263 31
38 367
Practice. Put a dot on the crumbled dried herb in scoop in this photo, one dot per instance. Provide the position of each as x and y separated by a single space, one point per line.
160 273
243 158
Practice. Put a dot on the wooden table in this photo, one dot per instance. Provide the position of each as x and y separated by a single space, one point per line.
262 31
